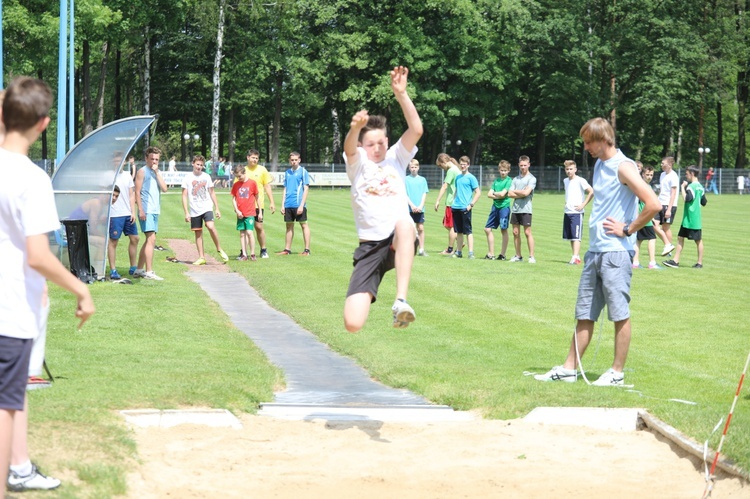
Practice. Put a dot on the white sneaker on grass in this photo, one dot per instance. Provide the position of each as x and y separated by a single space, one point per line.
516 258
558 373
403 314
152 275
33 481
139 273
667 249
610 378
532 259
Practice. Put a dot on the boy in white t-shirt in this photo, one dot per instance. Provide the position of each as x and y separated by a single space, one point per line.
198 193
27 216
386 231
122 220
578 193
669 183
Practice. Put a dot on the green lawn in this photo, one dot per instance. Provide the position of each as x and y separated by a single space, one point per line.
480 325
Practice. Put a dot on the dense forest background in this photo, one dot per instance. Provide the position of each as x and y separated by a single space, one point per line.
492 79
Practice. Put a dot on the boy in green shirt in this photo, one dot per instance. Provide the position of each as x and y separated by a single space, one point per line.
694 195
647 232
500 212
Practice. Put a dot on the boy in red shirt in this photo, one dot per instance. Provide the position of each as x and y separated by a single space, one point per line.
245 202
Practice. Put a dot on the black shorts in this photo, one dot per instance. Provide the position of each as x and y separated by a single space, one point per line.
418 218
692 234
14 371
662 218
290 215
646 233
196 223
520 219
372 259
461 221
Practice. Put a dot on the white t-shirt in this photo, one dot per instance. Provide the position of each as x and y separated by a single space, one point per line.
199 196
575 193
122 207
379 192
27 208
666 182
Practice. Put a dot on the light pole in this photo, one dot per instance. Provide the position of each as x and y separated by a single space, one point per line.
192 139
701 152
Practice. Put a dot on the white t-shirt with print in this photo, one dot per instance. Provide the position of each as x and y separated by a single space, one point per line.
27 208
379 192
199 196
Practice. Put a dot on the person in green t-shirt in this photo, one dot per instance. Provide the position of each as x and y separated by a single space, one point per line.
451 169
694 195
646 233
500 212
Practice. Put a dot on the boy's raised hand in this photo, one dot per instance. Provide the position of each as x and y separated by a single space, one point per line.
359 120
399 76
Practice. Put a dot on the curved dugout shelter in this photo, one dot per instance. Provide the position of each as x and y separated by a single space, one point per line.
85 178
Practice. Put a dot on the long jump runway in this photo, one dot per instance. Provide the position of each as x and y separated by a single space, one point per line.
321 384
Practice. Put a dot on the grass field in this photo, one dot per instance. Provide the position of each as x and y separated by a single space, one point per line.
480 325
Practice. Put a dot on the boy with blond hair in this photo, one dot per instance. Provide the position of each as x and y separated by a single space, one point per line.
385 230
416 190
246 207
198 202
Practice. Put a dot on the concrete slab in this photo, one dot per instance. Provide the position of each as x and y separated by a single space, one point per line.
219 418
591 417
411 413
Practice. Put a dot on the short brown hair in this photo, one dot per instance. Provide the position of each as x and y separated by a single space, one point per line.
27 100
374 122
250 152
504 164
669 160
598 129
198 157
465 159
524 158
238 169
153 150
569 162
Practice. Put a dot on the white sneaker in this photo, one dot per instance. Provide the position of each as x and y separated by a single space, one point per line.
667 249
403 314
33 481
610 378
139 273
558 373
152 275
532 259
516 259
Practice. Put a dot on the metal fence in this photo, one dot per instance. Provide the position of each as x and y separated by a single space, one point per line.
548 178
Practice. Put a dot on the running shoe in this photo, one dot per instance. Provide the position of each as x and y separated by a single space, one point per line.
114 275
33 481
200 261
610 378
667 249
403 314
558 373
224 256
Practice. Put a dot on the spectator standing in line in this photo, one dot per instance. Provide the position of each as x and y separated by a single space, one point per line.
451 169
500 212
522 192
578 193
416 190
294 203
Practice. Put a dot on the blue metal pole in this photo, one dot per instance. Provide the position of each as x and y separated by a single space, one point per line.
62 82
71 81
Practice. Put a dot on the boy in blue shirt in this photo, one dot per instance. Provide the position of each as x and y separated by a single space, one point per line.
467 193
416 190
294 207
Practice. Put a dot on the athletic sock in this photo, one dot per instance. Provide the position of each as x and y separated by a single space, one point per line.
24 469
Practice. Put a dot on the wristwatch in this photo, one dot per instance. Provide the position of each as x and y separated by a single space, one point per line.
626 230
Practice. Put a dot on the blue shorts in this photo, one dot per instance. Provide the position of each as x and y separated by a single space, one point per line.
499 217
572 225
122 225
418 218
605 280
14 371
151 224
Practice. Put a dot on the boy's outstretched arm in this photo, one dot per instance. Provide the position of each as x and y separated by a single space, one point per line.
359 120
411 136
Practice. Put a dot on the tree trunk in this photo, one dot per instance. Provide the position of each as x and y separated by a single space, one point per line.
719 136
336 144
100 92
86 96
118 56
742 98
276 132
232 133
217 86
183 142
678 157
147 74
